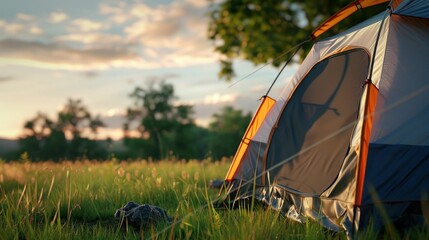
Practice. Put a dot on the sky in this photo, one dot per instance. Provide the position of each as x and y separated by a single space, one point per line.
100 50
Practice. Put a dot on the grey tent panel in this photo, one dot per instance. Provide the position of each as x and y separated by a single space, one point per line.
311 139
398 155
394 176
251 163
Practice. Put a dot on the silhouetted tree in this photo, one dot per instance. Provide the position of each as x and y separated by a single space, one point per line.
38 131
40 126
94 124
164 128
62 139
71 118
227 130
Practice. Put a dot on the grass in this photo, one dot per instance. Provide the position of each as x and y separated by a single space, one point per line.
77 200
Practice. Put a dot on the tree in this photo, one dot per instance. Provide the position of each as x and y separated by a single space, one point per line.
40 126
71 118
261 30
38 131
42 139
94 124
47 139
227 130
164 128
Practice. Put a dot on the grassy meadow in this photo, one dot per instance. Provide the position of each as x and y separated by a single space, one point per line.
77 200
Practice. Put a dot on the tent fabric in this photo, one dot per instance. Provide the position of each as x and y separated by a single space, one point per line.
333 209
402 108
413 8
370 103
402 215
264 108
399 179
343 14
316 123
336 169
363 35
250 166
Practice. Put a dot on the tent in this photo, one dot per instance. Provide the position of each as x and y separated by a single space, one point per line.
347 141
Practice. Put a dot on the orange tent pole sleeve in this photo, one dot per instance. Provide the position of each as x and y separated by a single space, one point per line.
344 13
256 122
370 103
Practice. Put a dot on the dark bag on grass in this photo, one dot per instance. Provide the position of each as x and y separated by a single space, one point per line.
142 215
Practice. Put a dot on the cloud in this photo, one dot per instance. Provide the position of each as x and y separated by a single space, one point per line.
113 133
204 113
198 3
5 78
90 74
58 17
152 25
112 10
51 55
24 17
163 28
117 12
165 21
173 33
156 78
204 110
114 122
217 98
36 30
114 118
92 38
258 88
13 28
86 25
115 112
167 35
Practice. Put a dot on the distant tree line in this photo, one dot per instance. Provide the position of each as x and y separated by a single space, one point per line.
62 138
156 128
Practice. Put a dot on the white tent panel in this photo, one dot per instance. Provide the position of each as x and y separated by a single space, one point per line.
362 35
402 112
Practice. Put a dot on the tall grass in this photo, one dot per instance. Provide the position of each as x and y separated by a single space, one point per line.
77 200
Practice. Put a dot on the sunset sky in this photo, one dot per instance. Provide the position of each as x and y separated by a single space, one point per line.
99 51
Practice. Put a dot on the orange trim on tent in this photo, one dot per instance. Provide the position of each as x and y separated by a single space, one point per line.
370 102
265 106
344 13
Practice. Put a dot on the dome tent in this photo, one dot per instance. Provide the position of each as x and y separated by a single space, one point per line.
349 132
